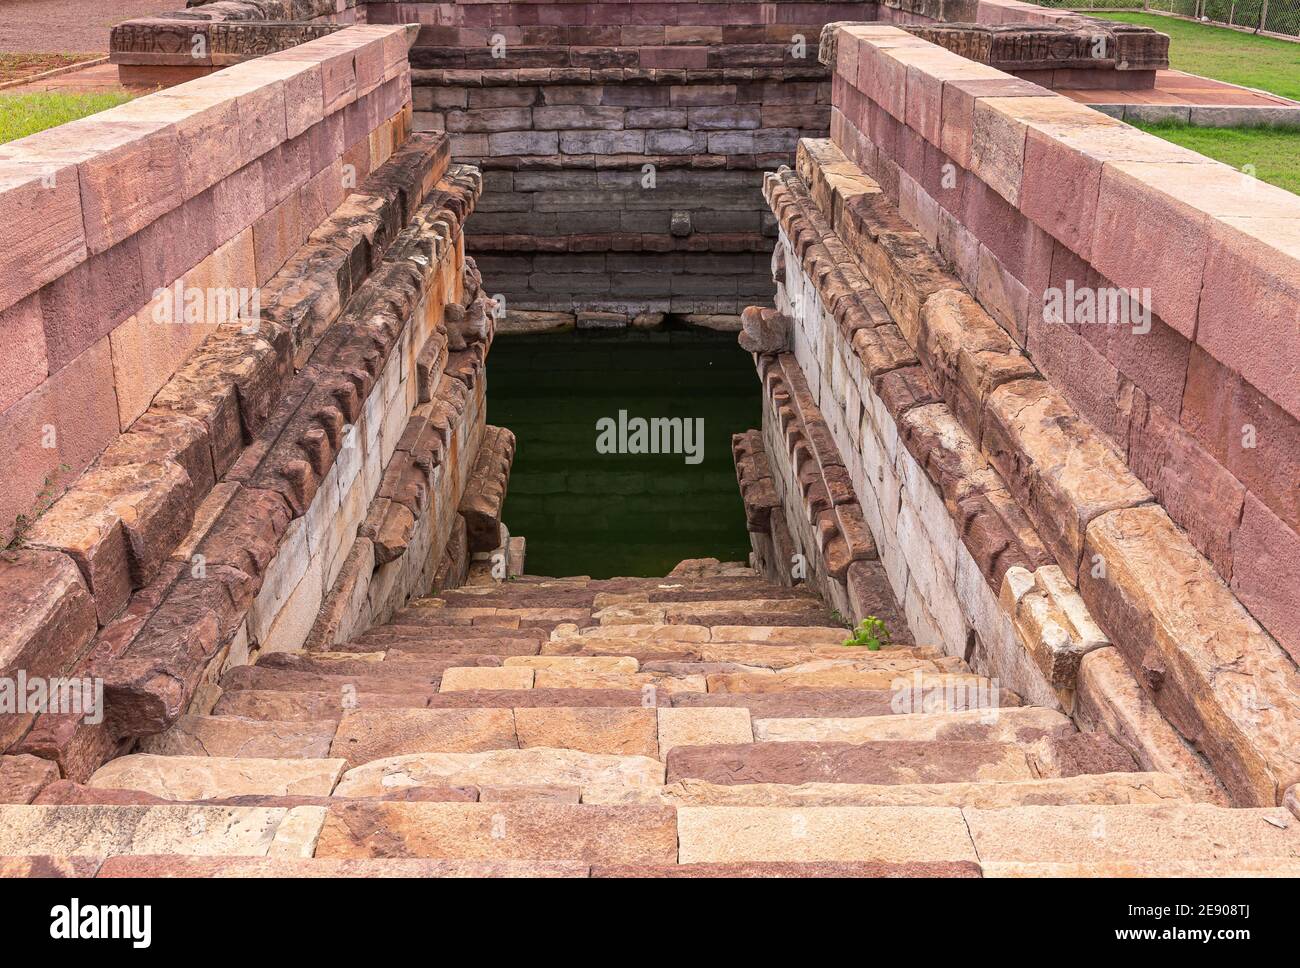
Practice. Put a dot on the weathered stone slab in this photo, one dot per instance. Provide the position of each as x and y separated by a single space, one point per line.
1213 672
371 734
885 834
622 732
281 867
703 726
1088 834
102 830
502 831
23 776
507 767
813 869
1026 724
900 761
208 777
237 736
44 866
501 677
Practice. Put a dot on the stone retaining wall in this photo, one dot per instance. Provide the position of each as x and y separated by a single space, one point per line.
241 456
1013 529
1025 194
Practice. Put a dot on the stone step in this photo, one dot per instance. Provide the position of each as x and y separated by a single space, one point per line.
599 596
589 834
586 698
1107 788
179 866
236 736
412 646
303 707
536 766
523 678
788 635
822 869
424 680
808 703
1200 867
210 777
895 835
364 735
103 830
785 611
493 617
899 761
1132 834
752 654
1022 724
388 665
842 677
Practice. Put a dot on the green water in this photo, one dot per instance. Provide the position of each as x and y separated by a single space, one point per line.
602 514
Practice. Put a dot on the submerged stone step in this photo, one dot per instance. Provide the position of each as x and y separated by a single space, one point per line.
505 767
1108 788
855 834
209 777
900 761
590 834
239 736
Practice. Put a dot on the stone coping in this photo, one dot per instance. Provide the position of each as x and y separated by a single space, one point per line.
1169 221
1213 671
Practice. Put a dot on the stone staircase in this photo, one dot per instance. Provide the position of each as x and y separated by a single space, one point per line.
704 724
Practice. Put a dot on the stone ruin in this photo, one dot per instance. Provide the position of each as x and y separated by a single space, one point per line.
1101 515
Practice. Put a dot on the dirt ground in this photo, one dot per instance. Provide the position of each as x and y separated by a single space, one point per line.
69 25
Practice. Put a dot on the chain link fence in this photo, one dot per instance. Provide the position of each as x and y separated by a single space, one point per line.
1266 16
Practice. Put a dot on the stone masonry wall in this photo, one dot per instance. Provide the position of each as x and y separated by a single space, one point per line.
215 524
1025 193
565 114
1011 524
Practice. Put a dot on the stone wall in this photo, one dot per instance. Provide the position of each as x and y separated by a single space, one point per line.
1027 195
1021 518
622 144
240 457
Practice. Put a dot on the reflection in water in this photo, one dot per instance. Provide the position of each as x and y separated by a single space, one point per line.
611 475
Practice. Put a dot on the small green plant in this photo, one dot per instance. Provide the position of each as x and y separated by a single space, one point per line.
870 633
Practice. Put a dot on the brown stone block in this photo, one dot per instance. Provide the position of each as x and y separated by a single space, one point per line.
1213 672
1055 465
50 620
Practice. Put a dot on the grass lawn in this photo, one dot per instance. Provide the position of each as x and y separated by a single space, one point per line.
1274 152
1265 63
24 114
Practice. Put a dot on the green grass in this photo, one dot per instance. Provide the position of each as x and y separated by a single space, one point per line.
1265 63
24 114
1273 153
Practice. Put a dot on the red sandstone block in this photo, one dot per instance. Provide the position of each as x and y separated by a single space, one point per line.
303 100
132 178
276 236
1068 213
84 305
173 244
63 423
1248 433
204 113
1148 238
40 207
263 120
959 97
238 201
1266 573
1252 273
23 363
1198 492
